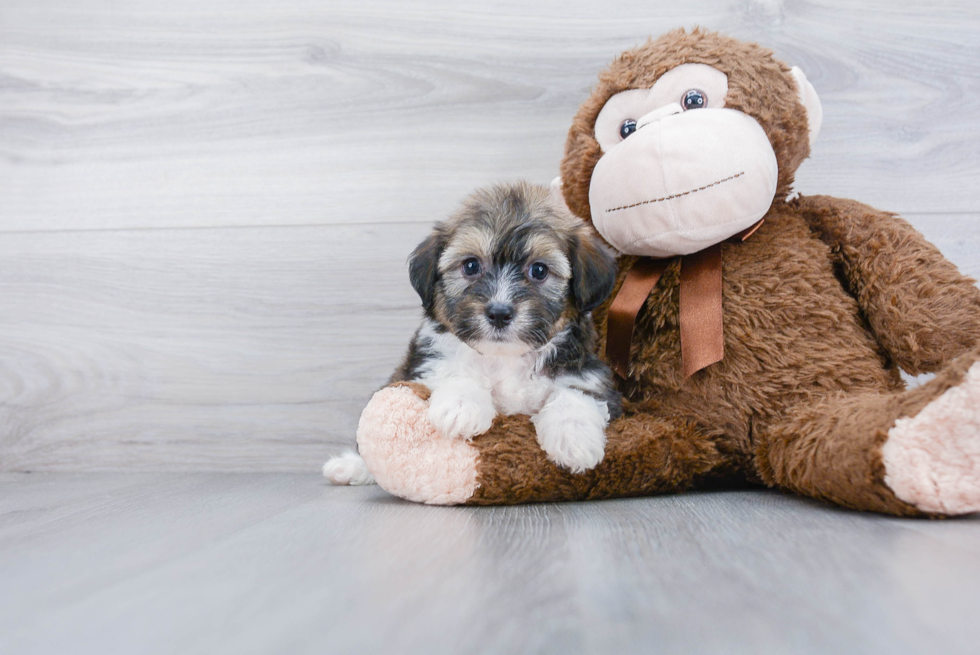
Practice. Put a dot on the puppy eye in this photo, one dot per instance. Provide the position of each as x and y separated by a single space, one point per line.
694 99
627 128
538 271
471 267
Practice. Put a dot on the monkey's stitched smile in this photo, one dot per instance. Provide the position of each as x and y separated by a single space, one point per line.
677 195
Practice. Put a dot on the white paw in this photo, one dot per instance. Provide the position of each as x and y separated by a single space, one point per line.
571 429
348 468
461 416
932 460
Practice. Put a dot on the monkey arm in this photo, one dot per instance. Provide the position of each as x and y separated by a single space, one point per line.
919 306
644 455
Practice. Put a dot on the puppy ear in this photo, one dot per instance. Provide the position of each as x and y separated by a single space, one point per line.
423 268
593 272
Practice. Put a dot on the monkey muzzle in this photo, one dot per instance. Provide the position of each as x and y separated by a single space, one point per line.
683 182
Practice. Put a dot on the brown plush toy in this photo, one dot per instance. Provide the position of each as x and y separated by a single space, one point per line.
759 339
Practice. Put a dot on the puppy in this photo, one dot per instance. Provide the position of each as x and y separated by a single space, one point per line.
508 284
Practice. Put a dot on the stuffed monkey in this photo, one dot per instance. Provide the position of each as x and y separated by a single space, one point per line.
758 339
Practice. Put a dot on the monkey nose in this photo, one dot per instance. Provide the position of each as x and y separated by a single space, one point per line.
657 114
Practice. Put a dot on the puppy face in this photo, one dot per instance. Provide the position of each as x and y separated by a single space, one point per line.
510 267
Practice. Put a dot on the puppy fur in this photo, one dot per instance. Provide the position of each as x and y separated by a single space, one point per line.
508 285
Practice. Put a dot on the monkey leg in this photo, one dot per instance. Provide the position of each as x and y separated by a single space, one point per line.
644 455
915 453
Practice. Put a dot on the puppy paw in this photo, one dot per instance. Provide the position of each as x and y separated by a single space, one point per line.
461 416
932 460
347 469
571 429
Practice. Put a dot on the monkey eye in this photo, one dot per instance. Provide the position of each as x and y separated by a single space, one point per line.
537 271
471 267
694 99
627 128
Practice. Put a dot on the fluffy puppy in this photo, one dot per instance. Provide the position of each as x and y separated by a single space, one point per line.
508 284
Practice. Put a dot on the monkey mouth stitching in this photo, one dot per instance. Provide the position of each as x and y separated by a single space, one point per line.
676 195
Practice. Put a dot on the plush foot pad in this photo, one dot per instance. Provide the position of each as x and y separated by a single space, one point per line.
932 461
408 457
348 468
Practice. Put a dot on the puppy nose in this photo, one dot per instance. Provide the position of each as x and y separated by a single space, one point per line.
657 114
500 314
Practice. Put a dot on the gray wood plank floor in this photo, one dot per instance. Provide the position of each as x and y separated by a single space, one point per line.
206 207
282 563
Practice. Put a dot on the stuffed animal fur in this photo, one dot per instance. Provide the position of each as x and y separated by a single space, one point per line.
822 306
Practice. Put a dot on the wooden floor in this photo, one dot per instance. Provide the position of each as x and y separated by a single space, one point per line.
282 563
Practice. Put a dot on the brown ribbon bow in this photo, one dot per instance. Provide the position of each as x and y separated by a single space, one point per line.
701 320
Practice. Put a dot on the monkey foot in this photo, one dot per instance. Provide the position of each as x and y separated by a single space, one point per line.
932 460
407 456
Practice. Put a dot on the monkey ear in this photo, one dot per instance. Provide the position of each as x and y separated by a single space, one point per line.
556 195
810 101
423 268
593 272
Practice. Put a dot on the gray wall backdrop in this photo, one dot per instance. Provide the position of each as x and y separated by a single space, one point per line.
206 207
